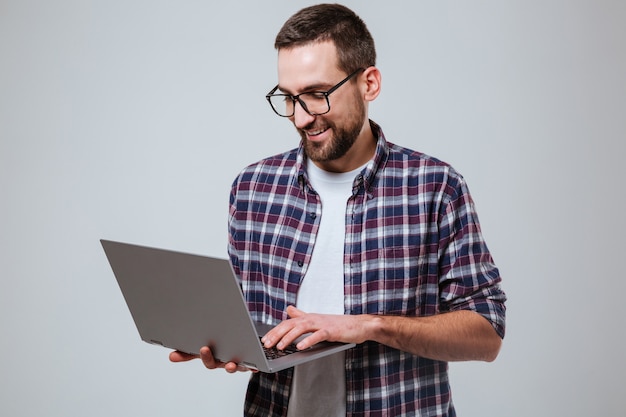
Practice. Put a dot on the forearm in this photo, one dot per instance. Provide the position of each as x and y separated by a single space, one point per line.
456 336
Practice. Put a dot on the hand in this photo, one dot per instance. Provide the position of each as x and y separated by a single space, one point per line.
208 360
323 327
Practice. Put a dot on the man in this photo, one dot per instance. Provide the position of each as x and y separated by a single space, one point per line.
354 239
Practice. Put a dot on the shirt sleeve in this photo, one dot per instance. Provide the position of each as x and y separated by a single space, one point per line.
469 279
233 230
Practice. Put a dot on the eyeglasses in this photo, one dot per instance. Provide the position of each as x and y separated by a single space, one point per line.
314 103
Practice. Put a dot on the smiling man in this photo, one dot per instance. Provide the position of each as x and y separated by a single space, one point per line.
337 140
352 238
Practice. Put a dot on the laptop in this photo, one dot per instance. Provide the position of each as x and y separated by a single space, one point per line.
183 302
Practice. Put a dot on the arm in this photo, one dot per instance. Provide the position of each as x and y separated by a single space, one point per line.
455 336
470 322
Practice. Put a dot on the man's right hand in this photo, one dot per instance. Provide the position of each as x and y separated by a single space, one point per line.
208 360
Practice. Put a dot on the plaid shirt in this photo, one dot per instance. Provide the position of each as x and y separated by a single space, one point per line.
413 248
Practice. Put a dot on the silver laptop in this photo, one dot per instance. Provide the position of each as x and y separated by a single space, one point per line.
184 302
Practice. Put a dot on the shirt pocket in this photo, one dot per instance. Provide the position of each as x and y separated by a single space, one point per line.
403 272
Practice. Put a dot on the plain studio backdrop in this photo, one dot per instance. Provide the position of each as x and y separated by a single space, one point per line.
128 120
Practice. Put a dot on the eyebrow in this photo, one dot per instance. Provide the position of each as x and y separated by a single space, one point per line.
320 86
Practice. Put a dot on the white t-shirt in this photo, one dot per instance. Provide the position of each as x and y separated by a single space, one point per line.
318 387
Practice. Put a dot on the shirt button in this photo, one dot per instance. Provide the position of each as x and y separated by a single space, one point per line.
313 215
300 263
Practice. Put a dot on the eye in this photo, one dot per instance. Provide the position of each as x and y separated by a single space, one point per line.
316 95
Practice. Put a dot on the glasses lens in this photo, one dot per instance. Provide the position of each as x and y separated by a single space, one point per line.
313 103
316 103
282 104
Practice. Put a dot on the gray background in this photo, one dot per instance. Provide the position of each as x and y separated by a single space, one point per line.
129 119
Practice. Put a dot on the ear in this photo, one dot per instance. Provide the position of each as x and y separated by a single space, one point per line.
371 87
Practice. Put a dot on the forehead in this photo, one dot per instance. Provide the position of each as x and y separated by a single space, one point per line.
306 66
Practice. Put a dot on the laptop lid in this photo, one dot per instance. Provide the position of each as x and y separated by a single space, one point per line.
183 302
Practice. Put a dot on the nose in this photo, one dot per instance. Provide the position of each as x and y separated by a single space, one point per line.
300 117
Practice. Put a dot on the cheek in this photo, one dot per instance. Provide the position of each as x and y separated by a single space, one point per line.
350 107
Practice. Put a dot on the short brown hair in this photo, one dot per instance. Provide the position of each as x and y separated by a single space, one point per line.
331 22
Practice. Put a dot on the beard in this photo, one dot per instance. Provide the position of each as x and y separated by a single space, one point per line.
342 137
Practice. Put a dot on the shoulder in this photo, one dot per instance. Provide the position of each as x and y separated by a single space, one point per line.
270 167
274 174
421 167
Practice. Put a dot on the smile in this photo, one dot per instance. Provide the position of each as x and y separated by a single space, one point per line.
316 132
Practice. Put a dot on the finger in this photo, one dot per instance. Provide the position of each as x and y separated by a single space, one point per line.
178 356
291 336
272 337
275 335
209 361
306 324
232 367
312 339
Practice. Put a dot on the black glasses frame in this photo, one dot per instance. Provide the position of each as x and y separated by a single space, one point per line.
297 98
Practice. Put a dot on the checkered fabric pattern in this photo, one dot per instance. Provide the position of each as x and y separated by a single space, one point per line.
413 248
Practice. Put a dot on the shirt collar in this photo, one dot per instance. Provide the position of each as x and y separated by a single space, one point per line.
367 176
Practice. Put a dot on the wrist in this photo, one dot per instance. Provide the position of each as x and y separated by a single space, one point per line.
373 327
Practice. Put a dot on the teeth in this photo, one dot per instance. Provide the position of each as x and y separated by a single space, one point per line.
316 132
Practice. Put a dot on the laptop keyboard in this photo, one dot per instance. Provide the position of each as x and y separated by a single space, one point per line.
274 353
